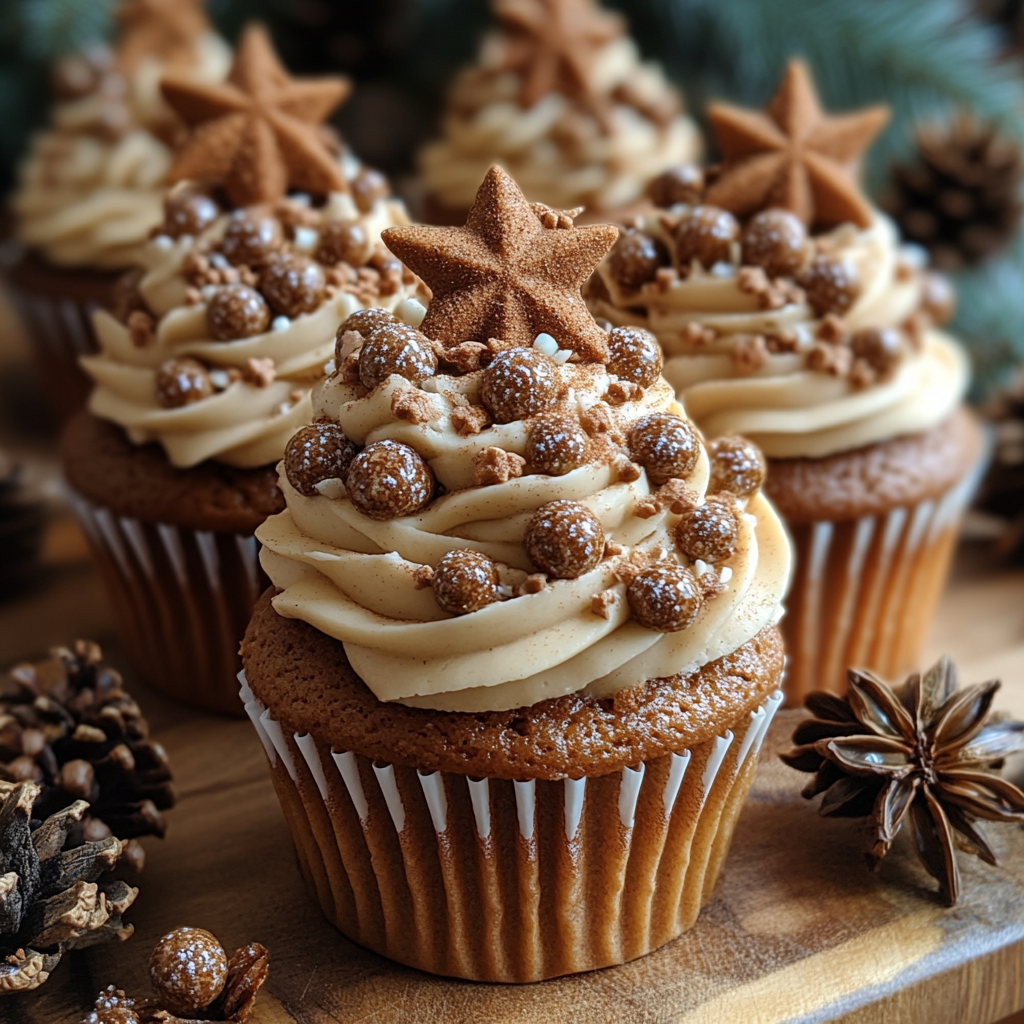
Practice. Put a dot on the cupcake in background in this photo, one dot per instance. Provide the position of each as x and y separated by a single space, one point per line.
521 652
561 99
206 365
790 313
91 187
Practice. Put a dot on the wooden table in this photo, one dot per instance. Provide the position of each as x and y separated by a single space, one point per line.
798 930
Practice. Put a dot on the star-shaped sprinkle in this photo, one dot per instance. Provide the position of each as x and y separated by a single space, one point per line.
258 133
164 29
505 274
552 44
793 155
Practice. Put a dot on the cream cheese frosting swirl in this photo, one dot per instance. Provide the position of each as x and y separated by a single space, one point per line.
559 153
91 186
747 355
260 384
362 580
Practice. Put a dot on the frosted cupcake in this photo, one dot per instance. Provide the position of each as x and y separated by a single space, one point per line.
91 187
561 99
205 370
520 651
790 313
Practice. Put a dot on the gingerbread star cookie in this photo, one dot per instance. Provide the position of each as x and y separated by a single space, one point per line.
794 155
507 274
258 133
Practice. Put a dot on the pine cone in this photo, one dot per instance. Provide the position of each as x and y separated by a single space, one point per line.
960 197
21 529
68 725
52 898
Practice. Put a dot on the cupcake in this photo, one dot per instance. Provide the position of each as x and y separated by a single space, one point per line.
520 649
91 186
790 313
205 368
561 99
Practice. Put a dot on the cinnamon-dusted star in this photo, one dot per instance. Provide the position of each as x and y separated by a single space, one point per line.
794 155
258 133
165 29
553 43
505 275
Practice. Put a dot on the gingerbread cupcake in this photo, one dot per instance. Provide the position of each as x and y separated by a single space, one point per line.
205 368
91 186
520 652
789 312
562 100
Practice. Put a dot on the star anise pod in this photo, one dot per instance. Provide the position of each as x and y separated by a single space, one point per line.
924 752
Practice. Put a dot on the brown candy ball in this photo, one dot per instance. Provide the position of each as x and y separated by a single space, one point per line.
293 284
367 187
388 479
465 581
252 237
775 240
938 298
634 355
681 184
831 283
564 539
317 453
236 311
181 382
709 531
665 445
636 257
188 213
344 241
188 970
706 233
395 348
665 597
556 446
519 382
737 466
880 347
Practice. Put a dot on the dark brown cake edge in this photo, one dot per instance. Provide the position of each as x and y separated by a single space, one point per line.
304 678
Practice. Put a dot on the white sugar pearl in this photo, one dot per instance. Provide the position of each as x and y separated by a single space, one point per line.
280 323
411 311
546 344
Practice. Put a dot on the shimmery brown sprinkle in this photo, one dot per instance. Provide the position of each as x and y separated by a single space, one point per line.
831 284
520 382
394 347
465 581
709 531
293 284
412 406
260 372
737 466
635 258
706 233
252 237
181 382
665 597
602 604
775 240
344 241
564 539
634 355
496 466
388 479
237 311
188 969
317 453
555 446
187 213
833 329
681 184
665 445
880 347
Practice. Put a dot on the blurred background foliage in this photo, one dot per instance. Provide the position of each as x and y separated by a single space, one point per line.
931 60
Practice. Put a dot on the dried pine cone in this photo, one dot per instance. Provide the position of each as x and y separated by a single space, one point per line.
54 895
960 196
922 754
67 724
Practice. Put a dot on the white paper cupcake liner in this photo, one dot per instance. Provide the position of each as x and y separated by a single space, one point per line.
182 599
865 590
514 881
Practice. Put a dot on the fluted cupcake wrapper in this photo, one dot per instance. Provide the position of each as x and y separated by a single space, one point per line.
182 599
60 330
514 881
864 591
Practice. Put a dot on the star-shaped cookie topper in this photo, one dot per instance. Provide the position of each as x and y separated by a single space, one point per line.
553 43
164 29
505 274
258 133
794 155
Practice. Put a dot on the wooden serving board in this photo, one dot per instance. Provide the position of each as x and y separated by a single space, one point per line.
798 930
